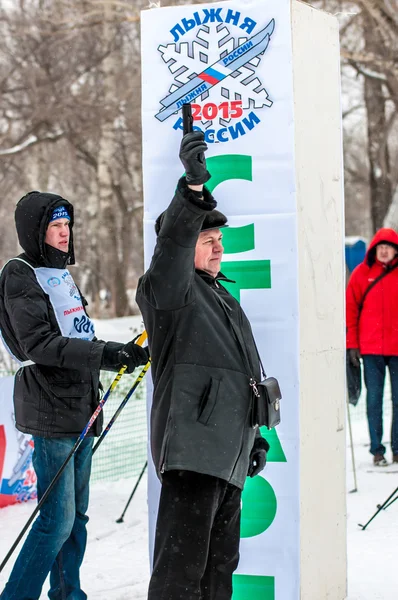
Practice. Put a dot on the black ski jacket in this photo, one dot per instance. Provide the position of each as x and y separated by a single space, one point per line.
201 411
57 395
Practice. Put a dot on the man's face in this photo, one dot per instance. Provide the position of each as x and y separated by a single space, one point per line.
57 234
385 253
209 251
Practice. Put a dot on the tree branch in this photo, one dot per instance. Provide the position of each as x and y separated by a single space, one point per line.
31 140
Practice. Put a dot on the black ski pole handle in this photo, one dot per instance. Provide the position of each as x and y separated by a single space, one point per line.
187 119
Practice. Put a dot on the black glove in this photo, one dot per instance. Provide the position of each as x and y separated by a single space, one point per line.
116 355
354 356
258 456
192 149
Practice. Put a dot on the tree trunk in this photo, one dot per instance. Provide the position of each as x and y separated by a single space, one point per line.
378 154
113 271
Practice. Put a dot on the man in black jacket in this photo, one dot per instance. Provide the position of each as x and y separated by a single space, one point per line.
204 367
45 327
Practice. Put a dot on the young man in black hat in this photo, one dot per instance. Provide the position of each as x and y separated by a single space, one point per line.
45 327
203 440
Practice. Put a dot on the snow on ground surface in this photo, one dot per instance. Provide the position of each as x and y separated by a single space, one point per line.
122 329
116 565
371 571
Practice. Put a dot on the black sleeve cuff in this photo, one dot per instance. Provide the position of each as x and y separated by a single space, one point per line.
261 444
208 202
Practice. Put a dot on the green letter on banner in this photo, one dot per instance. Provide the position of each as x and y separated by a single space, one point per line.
253 587
258 507
250 274
227 167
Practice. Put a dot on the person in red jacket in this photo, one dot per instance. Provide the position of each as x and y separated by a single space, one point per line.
372 333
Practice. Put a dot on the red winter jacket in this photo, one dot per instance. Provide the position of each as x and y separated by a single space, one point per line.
377 330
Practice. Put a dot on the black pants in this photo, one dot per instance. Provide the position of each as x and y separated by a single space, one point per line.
197 538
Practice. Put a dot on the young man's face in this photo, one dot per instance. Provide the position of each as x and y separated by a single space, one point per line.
209 251
57 234
385 253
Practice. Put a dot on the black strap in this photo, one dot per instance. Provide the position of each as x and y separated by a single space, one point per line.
264 375
387 272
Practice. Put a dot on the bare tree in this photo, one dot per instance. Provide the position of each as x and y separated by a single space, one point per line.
68 75
369 50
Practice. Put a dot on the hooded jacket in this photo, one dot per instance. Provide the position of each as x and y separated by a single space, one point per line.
374 330
56 396
201 410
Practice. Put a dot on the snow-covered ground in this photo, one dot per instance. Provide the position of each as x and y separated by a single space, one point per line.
371 572
116 565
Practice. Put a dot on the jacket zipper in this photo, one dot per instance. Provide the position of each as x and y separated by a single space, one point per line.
165 445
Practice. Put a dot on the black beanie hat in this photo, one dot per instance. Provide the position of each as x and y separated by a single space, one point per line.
214 219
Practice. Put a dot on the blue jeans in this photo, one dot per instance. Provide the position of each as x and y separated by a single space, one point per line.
375 372
57 539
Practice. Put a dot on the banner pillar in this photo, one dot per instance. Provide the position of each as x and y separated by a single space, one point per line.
264 81
320 221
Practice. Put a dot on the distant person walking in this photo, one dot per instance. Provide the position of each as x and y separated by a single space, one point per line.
372 333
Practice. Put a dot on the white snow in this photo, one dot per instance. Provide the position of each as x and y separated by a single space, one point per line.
116 565
371 572
122 329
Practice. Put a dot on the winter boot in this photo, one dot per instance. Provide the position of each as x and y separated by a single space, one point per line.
380 461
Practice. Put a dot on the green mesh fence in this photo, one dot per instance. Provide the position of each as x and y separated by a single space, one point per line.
123 451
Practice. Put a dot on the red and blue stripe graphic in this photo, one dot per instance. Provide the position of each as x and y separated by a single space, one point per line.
211 76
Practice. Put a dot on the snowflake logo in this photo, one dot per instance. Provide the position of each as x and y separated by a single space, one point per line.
71 284
217 65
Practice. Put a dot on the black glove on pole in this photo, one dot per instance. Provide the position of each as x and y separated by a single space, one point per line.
192 149
115 355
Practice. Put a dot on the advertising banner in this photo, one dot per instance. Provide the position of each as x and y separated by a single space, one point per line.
233 62
17 477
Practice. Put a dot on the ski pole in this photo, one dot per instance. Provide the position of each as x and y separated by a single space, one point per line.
355 489
123 404
380 508
389 504
83 434
120 519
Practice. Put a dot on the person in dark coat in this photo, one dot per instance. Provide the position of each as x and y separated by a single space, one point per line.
203 439
372 325
45 326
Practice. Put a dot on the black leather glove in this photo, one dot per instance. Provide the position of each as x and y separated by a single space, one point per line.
258 456
354 356
116 355
192 149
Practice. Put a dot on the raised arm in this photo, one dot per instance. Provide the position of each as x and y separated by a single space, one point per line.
167 283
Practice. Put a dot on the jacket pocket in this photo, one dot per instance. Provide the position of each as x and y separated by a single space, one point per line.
64 383
208 401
